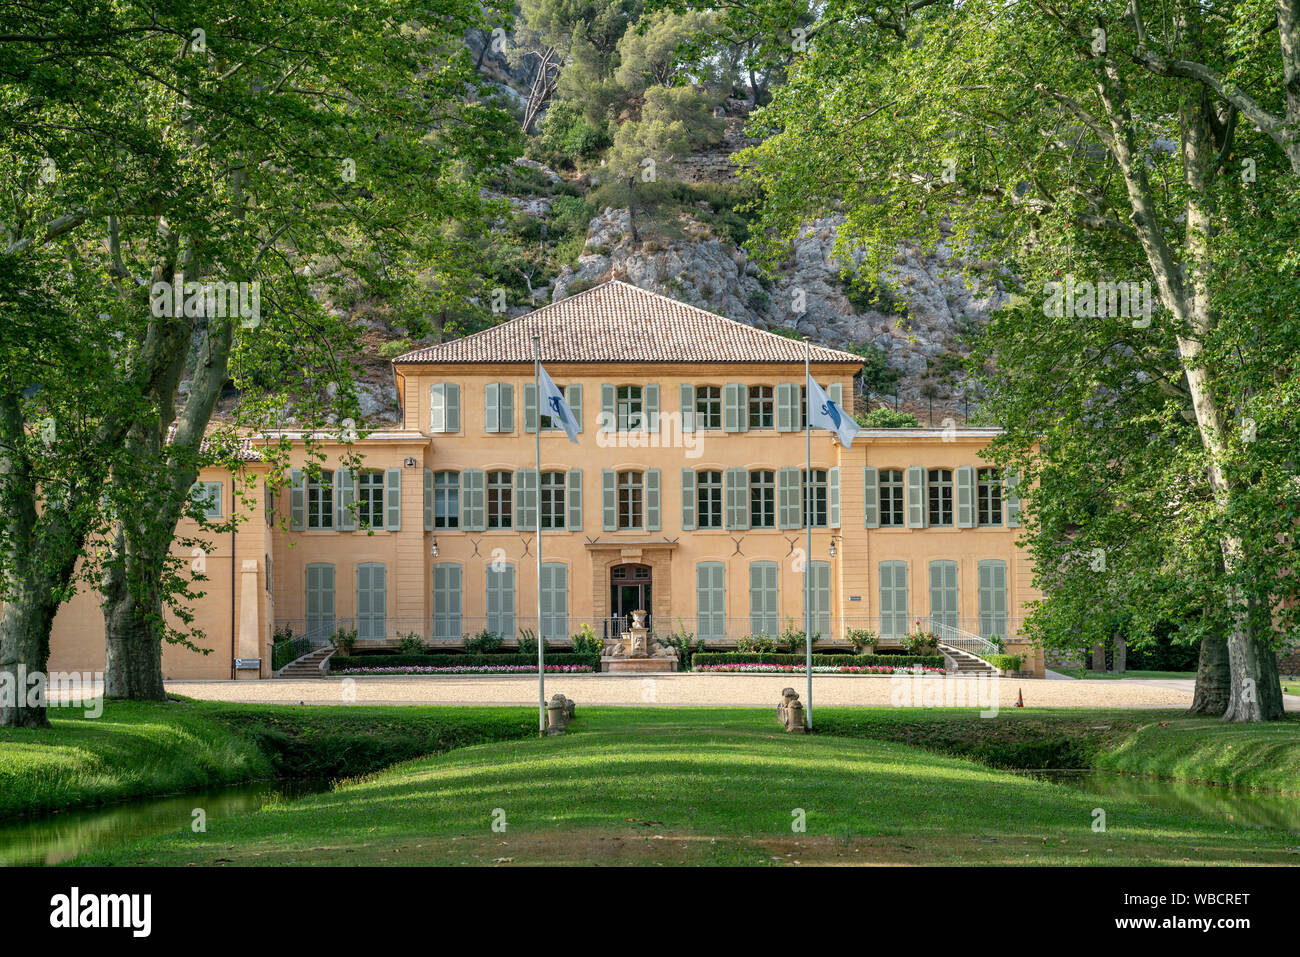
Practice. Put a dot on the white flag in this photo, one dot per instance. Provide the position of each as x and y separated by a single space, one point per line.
552 403
823 413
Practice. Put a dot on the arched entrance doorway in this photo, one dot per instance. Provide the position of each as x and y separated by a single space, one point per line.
629 591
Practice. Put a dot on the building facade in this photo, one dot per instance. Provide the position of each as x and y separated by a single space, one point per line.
686 496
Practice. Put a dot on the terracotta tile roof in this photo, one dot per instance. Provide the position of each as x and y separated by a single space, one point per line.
619 322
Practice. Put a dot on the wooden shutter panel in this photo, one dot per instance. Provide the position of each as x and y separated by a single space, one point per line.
573 395
446 601
650 409
1011 501
297 500
530 407
573 499
835 392
492 407
710 601
737 496
506 407
965 496
526 498
688 407
833 497
871 497
763 598
473 500
819 588
438 407
428 500
372 601
732 408
688 500
787 407
393 499
608 408
787 498
453 407
652 500
916 497
345 516
943 597
609 499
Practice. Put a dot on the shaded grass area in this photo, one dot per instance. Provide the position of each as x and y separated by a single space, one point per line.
1162 743
703 786
138 749
1103 675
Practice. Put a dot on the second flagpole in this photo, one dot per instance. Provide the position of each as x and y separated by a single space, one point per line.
541 639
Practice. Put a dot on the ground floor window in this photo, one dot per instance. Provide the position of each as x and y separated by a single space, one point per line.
993 598
893 599
446 601
372 601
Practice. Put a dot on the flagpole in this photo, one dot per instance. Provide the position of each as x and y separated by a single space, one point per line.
807 518
541 640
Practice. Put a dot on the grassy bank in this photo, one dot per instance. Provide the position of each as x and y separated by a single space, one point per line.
138 749
704 786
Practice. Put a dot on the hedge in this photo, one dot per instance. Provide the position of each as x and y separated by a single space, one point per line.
340 662
767 658
1004 662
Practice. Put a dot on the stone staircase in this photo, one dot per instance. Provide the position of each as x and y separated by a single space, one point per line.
967 664
308 666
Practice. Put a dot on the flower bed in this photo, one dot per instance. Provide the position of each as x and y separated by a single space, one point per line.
757 668
466 670
889 662
421 664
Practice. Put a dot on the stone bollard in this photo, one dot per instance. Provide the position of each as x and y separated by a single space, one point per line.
569 706
794 716
786 695
555 715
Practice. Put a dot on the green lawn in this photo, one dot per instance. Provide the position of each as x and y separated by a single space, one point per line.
707 786
1104 675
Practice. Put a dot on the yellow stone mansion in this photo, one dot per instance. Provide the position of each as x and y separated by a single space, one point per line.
686 496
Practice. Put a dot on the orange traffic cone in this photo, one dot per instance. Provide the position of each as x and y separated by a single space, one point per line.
1020 698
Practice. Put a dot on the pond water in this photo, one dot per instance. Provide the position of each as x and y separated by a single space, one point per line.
1236 805
54 838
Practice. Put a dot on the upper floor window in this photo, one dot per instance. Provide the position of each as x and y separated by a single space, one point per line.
762 498
207 496
815 498
631 497
446 499
553 499
629 408
500 500
320 500
762 407
708 407
444 407
989 498
708 499
892 490
370 498
940 496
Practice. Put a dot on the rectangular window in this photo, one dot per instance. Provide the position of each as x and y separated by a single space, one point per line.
446 601
762 408
629 409
446 499
320 500
990 497
814 498
993 598
372 601
320 600
501 599
891 498
630 497
207 496
711 601
763 599
552 500
708 407
370 498
940 486
893 599
708 500
500 500
762 499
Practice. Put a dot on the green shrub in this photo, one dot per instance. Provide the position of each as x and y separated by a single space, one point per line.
587 642
861 638
341 662
684 643
887 419
528 641
759 644
344 640
483 643
1004 662
410 643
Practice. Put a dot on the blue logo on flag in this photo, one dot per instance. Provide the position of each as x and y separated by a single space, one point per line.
557 408
830 409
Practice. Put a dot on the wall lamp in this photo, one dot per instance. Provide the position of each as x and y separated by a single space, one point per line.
832 546
410 462
433 549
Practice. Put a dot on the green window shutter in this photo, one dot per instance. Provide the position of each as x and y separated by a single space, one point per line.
993 597
526 498
501 599
787 499
320 599
555 601
688 500
652 500
446 601
871 497
573 395
916 497
763 599
573 499
372 601
710 601
893 599
506 408
737 496
453 407
1011 501
297 500
345 517
833 497
473 500
438 407
530 407
965 496
943 598
650 409
393 499
787 407
835 392
687 393
492 407
609 499
428 500
608 409
819 587
735 413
